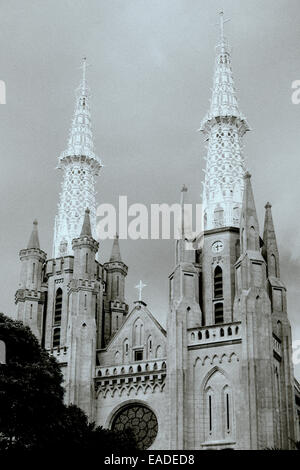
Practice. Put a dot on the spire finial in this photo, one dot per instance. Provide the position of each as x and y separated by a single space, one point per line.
221 24
83 86
183 191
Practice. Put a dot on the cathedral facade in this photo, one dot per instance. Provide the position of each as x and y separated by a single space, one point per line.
221 374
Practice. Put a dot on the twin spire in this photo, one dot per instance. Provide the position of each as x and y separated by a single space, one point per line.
223 100
81 137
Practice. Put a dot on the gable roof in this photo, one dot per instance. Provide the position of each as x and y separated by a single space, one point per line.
140 306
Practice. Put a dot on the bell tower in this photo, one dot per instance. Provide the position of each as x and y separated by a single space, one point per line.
223 128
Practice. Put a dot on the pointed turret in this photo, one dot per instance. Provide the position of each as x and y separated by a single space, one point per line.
86 230
80 165
249 223
115 252
223 127
115 306
30 297
270 249
85 248
34 237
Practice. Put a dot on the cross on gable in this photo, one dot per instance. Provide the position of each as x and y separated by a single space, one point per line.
140 286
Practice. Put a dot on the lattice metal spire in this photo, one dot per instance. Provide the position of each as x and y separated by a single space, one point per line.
80 165
223 127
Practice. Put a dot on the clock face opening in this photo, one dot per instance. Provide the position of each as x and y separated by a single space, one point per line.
217 247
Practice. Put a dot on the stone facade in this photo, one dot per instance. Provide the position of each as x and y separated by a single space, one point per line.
221 374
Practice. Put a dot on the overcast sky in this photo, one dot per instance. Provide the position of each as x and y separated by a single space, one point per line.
151 74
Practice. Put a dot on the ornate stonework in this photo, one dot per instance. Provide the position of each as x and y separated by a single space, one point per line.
80 166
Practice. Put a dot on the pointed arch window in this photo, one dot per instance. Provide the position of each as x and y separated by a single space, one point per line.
273 266
218 282
219 314
86 262
56 338
138 333
58 306
218 407
252 239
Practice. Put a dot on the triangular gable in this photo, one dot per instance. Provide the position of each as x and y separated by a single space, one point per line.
139 308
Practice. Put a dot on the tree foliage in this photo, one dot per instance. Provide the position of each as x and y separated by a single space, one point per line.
32 413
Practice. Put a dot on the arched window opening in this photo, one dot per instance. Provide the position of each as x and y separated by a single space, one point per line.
219 314
138 333
229 331
56 338
149 347
236 330
58 306
206 334
199 335
86 262
218 282
33 272
279 329
227 412
30 311
125 349
210 413
252 239
118 281
221 332
273 266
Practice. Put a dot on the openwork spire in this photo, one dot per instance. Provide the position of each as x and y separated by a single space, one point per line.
80 137
80 166
223 127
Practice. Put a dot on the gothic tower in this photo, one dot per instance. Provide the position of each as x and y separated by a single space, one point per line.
75 280
80 166
184 313
31 295
223 127
115 307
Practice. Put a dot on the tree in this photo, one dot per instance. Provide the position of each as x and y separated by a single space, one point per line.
32 413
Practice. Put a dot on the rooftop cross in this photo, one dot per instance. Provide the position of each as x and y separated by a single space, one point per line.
221 24
140 286
84 66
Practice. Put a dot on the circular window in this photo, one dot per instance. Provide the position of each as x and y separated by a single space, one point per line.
141 420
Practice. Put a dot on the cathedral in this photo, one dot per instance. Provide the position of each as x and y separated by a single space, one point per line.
221 374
